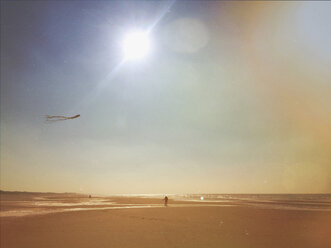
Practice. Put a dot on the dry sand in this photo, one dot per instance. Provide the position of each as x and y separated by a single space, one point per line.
181 224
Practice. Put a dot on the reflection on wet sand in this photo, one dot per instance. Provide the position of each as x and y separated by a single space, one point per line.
16 205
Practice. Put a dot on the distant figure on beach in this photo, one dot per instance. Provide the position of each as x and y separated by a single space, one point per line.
89 196
165 201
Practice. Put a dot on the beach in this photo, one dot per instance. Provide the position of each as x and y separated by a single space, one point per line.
145 222
165 124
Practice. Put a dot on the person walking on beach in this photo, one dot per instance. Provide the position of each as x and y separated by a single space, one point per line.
165 201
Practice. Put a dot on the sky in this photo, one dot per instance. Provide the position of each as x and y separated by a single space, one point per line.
233 97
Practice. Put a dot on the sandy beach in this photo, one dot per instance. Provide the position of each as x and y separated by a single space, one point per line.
145 222
111 108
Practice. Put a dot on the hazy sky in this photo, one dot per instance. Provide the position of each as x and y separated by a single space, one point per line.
234 97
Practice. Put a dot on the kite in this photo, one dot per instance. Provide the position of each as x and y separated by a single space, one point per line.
53 118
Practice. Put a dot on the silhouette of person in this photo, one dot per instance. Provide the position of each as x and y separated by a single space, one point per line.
166 201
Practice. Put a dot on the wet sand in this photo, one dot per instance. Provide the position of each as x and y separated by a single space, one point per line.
181 224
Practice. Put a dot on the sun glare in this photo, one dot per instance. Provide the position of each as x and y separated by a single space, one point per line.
136 45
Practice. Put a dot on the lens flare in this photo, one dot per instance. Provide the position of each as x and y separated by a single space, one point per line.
136 45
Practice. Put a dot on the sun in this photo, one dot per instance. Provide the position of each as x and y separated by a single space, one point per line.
136 45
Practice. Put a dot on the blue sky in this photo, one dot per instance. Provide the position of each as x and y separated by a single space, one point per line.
232 98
